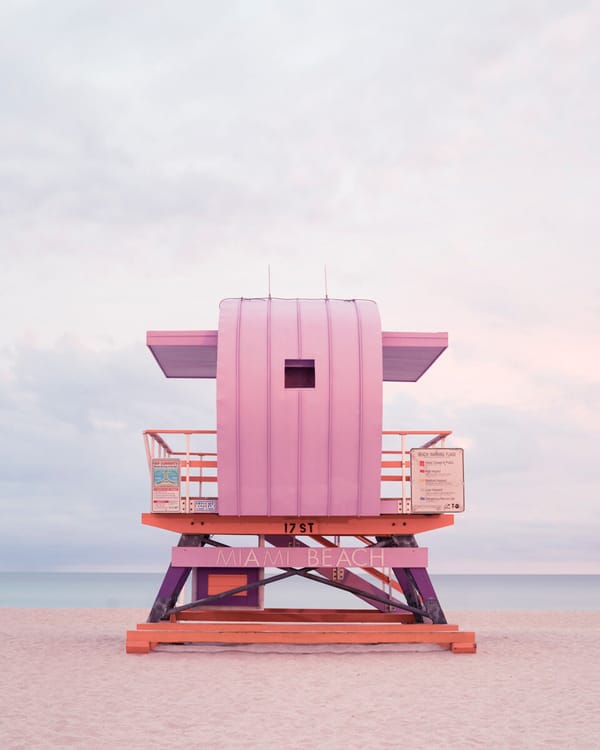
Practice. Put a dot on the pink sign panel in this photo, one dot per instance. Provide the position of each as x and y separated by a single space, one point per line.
300 557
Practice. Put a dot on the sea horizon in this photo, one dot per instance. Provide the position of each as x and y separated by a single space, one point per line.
456 591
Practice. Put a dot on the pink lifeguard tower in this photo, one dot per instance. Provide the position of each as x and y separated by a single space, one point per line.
299 460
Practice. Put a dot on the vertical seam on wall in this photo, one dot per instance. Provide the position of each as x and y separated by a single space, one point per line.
269 472
330 426
359 488
299 416
237 410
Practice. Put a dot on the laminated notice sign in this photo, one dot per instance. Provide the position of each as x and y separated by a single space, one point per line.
166 494
203 505
437 480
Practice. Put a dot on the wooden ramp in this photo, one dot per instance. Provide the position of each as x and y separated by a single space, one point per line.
295 626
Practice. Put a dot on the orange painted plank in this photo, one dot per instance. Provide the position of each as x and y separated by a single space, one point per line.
198 479
283 615
209 523
294 636
134 645
464 648
220 582
286 627
149 635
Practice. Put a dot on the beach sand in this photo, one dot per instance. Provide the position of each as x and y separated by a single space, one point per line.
66 682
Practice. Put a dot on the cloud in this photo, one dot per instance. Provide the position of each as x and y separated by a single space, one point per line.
439 159
75 478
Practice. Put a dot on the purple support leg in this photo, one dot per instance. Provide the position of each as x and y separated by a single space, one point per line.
409 589
431 603
417 585
174 580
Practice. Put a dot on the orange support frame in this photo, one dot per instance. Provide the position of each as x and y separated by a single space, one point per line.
234 624
296 627
210 523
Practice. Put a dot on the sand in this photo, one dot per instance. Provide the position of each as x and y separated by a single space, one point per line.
66 682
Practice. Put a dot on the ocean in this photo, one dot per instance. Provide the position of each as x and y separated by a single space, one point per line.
455 592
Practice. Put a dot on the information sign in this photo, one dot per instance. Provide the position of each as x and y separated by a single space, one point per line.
437 480
203 505
166 493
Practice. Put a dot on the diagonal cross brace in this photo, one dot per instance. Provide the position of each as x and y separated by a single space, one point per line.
174 580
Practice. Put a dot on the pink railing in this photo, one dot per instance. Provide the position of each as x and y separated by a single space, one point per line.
197 455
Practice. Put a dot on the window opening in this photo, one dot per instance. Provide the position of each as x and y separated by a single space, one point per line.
299 373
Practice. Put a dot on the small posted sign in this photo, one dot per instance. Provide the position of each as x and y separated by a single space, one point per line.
437 480
203 505
166 481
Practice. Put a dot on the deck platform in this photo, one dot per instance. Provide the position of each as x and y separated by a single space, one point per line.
295 626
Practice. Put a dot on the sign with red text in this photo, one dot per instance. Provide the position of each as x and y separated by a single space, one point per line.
437 480
166 491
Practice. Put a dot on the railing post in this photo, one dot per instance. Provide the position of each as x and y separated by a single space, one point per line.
261 589
148 453
187 476
403 459
200 474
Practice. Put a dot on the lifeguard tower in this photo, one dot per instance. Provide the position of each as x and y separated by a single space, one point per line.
300 463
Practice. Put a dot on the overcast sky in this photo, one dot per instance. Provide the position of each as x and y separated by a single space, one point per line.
440 158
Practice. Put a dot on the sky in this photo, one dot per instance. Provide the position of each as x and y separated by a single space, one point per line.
440 158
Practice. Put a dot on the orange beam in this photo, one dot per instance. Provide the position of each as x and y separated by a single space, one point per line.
209 523
316 628
198 479
148 635
384 477
285 614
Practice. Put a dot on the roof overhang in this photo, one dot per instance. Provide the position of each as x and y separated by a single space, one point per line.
193 354
406 356
185 354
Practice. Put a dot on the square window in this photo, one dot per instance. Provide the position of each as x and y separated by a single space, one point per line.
299 373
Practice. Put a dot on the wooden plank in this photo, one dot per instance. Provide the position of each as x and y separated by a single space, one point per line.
283 615
464 648
437 636
220 582
372 628
208 523
135 646
285 627
198 479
